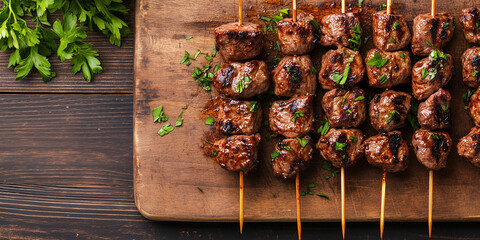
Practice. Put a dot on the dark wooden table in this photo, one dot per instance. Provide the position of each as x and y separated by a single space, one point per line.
66 165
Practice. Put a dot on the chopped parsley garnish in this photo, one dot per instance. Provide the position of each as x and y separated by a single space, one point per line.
395 25
275 154
424 73
179 121
242 84
185 107
392 114
383 79
436 55
203 77
322 194
336 77
158 115
210 121
214 50
383 6
254 107
277 60
429 44
392 40
314 71
284 11
345 75
344 100
208 142
303 142
328 166
189 37
316 26
266 19
186 59
445 107
277 46
340 146
354 140
215 153
324 128
360 2
377 60
359 98
356 41
402 55
199 189
296 115
468 94
349 111
434 136
166 129
208 58
196 54
445 25
475 73
287 148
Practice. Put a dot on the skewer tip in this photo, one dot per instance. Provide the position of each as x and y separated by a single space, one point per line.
343 200
297 194
382 207
430 203
241 203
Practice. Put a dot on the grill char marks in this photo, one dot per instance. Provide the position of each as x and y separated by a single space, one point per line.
388 151
432 148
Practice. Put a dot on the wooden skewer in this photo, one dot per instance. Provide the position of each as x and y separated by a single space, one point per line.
241 203
343 6
433 8
240 4
299 217
343 200
294 11
389 6
382 206
430 203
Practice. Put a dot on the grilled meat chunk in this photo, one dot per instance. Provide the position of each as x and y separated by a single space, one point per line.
345 108
297 38
294 77
470 20
390 31
239 117
242 80
432 148
474 107
471 67
239 42
290 157
388 69
388 151
341 68
431 31
238 152
388 110
337 29
292 118
431 73
469 146
341 147
434 113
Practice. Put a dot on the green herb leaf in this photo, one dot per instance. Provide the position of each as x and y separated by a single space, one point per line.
327 166
392 114
185 107
179 121
360 2
402 55
199 189
468 94
475 73
321 194
303 142
189 37
314 71
166 129
287 148
275 154
356 41
316 26
158 115
354 140
359 98
336 77
345 75
349 111
392 40
296 115
323 130
395 25
424 73
344 100
383 79
340 146
254 106
210 121
377 60
242 84
445 25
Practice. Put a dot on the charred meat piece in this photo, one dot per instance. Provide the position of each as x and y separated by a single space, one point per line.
242 80
431 73
341 68
341 147
434 113
339 29
431 32
390 31
388 110
239 117
237 152
388 151
297 38
291 156
239 42
345 108
294 76
432 148
388 69
474 107
292 118
471 67
470 20
469 146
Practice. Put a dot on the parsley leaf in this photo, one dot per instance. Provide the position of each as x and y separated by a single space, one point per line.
402 55
158 115
356 40
303 142
383 79
253 106
210 121
336 77
166 129
340 146
323 195
242 84
359 98
394 114
377 60
468 94
360 2
275 154
296 115
323 130
179 121
395 25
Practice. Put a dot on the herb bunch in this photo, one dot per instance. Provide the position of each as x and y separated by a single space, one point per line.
26 32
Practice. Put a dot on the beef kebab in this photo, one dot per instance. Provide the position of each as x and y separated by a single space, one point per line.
239 120
431 32
293 118
344 104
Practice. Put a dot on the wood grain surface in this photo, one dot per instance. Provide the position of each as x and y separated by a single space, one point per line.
168 170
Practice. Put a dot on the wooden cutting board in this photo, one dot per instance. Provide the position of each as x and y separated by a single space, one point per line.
170 170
